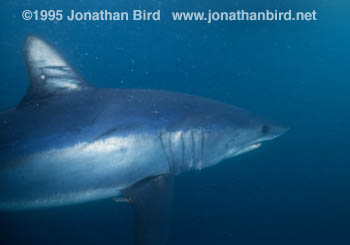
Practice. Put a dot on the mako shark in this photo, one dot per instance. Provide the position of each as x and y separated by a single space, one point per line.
68 142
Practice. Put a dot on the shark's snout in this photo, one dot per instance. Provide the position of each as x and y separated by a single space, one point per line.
274 131
279 130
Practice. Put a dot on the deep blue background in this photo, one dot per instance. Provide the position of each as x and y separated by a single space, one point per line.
293 190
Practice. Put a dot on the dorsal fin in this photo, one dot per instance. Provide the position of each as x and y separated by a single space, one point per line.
49 73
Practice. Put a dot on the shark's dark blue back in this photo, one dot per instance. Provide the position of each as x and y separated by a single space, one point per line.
84 116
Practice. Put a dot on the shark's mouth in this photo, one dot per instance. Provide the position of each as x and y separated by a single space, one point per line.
249 148
254 146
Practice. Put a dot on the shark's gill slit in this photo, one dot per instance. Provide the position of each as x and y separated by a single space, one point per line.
193 150
183 151
171 154
165 141
200 164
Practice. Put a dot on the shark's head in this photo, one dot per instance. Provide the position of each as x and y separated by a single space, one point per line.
235 132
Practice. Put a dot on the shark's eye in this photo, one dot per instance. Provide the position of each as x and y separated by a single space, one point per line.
265 129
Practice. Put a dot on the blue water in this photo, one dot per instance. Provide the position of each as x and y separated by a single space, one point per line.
293 190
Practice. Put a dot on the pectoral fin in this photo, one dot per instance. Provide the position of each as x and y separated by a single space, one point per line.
151 199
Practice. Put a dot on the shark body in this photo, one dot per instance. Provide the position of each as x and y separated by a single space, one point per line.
69 142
